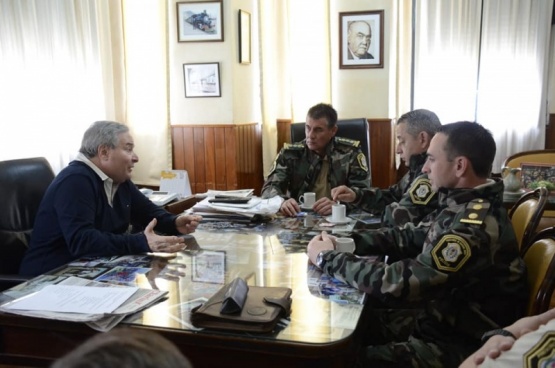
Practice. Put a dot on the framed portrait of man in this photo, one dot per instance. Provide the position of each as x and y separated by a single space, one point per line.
361 39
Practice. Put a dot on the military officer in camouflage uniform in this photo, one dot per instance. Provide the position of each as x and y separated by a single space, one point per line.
414 131
460 263
317 164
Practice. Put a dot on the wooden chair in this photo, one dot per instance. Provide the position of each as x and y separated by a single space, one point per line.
526 214
546 156
540 262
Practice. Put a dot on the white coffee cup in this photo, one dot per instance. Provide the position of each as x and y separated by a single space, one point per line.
308 199
338 212
345 245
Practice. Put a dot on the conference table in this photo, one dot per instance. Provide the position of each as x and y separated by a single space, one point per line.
323 329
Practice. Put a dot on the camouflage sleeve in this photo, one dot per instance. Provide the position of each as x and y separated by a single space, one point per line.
459 254
414 205
375 200
359 174
277 182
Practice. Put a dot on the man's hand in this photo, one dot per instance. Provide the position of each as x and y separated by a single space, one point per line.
343 193
290 207
186 224
319 243
323 206
165 244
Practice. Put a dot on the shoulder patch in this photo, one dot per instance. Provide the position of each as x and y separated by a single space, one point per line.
475 212
421 191
293 146
362 161
347 141
451 252
542 351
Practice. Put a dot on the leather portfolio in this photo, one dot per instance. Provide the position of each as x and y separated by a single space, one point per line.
239 307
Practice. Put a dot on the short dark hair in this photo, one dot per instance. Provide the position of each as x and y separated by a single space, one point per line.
125 347
420 120
473 141
323 110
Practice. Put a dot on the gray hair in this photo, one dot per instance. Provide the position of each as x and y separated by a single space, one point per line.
101 133
420 120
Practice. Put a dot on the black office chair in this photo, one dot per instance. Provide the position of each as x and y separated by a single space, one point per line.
23 183
356 129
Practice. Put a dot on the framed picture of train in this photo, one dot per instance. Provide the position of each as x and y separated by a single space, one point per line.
200 21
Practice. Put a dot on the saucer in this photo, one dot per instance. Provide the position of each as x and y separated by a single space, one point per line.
306 208
346 220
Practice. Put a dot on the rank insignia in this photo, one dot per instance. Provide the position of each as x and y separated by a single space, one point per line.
475 212
362 161
542 354
451 253
421 191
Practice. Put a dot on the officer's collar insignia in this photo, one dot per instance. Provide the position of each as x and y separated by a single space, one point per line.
351 142
475 212
542 354
450 253
421 191
362 161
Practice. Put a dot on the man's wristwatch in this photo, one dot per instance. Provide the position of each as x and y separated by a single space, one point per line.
502 332
320 261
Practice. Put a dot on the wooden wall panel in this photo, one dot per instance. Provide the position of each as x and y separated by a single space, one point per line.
283 132
222 157
550 130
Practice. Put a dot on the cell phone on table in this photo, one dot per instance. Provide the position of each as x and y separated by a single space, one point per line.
225 199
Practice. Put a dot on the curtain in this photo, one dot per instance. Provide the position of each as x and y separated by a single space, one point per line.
291 83
485 61
512 88
447 50
56 56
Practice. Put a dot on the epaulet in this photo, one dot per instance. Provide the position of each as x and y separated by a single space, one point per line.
293 146
347 141
476 211
421 191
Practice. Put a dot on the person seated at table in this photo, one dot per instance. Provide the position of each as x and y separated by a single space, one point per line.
531 337
320 162
460 264
414 131
124 348
89 207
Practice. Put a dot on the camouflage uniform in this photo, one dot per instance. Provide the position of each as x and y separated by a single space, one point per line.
460 263
296 169
374 200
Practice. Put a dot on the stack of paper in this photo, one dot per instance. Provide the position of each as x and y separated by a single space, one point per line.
102 306
256 206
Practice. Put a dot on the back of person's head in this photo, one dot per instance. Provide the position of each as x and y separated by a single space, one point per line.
124 348
473 141
323 110
101 133
420 120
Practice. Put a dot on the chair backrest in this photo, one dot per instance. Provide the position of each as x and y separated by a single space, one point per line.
356 129
526 214
23 183
540 262
546 156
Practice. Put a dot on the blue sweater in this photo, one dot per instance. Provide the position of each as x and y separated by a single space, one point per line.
75 220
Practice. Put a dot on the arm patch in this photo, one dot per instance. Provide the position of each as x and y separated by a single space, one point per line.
451 252
421 191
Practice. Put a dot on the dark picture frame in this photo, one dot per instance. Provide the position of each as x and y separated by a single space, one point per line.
353 32
532 172
202 80
209 266
244 37
200 21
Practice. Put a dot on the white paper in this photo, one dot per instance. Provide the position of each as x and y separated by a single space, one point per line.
175 181
75 299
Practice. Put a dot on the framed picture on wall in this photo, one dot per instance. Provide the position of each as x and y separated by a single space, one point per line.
244 37
202 80
361 39
200 21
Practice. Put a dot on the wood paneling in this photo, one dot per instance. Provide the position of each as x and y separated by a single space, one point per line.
221 157
382 149
550 131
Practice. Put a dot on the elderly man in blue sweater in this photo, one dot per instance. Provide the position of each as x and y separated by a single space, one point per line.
90 205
